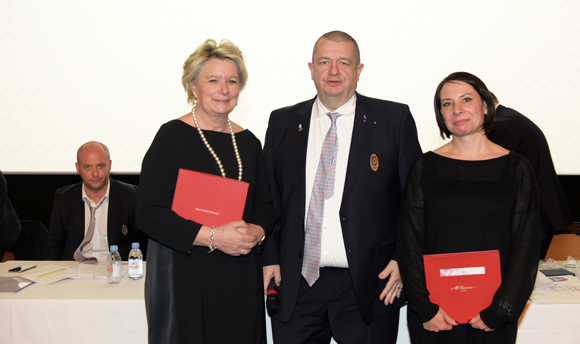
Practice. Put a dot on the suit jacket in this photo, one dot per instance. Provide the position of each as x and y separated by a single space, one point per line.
67 222
369 211
9 224
519 134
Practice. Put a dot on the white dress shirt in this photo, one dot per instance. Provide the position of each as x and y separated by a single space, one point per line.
332 253
98 246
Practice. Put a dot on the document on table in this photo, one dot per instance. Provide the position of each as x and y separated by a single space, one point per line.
566 290
543 282
13 284
49 274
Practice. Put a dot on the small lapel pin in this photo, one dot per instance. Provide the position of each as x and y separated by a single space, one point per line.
364 118
300 127
124 230
374 162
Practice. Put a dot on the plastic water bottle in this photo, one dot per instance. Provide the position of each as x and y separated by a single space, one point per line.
114 266
135 262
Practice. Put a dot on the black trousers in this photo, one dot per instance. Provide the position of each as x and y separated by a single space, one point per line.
329 309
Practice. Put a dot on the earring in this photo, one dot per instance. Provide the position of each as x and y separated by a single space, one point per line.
194 106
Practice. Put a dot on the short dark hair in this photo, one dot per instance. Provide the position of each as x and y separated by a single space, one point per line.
479 87
338 37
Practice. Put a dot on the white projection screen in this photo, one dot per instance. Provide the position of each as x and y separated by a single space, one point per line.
74 71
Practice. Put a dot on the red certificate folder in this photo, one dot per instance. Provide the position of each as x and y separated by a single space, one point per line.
209 199
463 284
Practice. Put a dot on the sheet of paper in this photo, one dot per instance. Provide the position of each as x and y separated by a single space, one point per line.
49 274
566 290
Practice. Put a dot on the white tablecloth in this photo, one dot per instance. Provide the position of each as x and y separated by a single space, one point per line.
73 311
92 311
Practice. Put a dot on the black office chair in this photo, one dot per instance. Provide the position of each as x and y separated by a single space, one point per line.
32 243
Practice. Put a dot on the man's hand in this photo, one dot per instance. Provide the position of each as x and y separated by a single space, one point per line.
271 271
394 285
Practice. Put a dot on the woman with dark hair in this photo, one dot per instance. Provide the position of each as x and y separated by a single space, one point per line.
469 195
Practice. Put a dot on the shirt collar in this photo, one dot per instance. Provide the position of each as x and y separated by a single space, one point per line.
346 109
86 198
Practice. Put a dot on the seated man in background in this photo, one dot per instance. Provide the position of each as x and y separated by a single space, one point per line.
9 224
517 133
89 216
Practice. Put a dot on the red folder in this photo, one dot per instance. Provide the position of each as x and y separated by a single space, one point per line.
209 199
463 284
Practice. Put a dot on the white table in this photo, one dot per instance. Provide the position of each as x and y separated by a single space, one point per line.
73 311
92 311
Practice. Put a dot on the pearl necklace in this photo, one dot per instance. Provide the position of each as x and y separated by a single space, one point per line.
217 159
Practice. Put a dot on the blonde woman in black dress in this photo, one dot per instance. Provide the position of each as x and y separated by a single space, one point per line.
204 284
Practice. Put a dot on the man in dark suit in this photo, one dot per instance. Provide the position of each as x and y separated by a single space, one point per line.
100 202
519 134
9 224
346 224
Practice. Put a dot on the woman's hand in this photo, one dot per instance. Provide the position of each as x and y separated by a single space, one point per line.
258 231
477 323
237 237
440 322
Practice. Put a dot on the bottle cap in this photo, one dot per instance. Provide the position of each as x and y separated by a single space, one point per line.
114 248
135 245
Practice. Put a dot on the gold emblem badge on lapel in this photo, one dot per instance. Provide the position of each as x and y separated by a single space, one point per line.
124 230
374 162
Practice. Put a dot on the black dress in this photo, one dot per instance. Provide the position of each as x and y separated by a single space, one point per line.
192 296
459 206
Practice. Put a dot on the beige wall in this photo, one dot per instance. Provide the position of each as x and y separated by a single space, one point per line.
73 71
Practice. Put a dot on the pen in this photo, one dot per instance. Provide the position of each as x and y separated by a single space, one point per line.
22 268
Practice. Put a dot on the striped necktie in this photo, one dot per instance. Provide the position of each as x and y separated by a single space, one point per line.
322 190
88 237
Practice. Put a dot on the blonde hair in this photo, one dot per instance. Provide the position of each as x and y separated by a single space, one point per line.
209 49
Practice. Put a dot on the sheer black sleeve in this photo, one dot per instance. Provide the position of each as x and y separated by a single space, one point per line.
518 282
411 244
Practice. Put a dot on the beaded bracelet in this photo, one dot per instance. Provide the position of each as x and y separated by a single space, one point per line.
211 246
